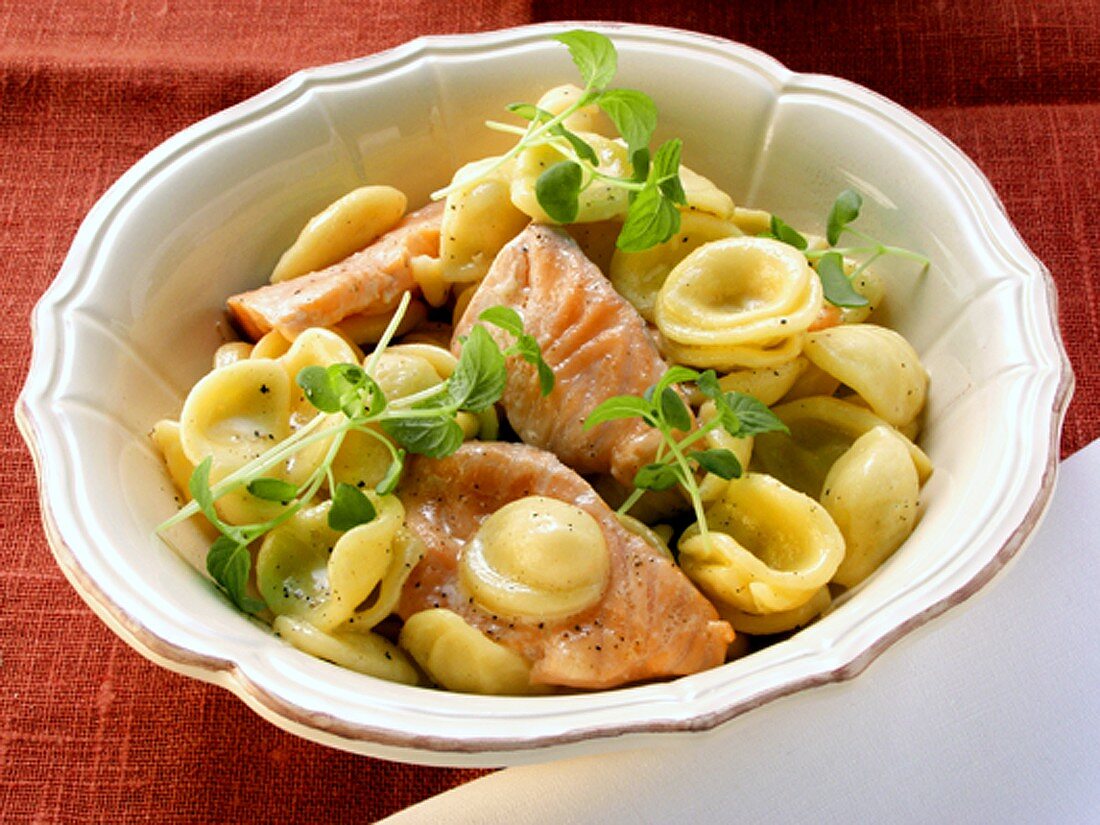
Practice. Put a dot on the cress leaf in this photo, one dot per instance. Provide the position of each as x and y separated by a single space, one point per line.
272 489
558 190
676 374
708 385
639 163
229 564
658 476
666 171
836 284
845 210
479 378
199 486
651 220
433 437
620 406
392 477
753 415
583 149
350 508
722 463
593 54
317 385
783 231
634 115
674 411
527 347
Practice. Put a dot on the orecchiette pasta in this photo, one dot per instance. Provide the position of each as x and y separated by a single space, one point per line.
366 653
765 624
877 363
769 549
536 558
344 227
460 658
871 493
738 302
477 221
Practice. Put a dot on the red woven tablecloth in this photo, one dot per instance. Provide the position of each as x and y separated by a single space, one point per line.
89 730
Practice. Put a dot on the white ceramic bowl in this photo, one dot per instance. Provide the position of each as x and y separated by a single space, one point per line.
136 312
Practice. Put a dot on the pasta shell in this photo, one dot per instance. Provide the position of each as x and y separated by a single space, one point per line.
366 653
344 227
877 363
765 624
459 657
872 493
821 430
769 549
589 118
478 221
536 558
639 276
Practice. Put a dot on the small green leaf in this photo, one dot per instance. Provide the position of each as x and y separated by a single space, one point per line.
392 477
845 210
527 111
634 115
658 476
651 220
350 508
593 54
558 190
229 564
433 437
708 385
620 406
639 163
580 146
674 411
666 171
753 415
787 233
272 489
317 384
722 463
479 378
675 374
835 283
199 487
527 347
504 317
546 377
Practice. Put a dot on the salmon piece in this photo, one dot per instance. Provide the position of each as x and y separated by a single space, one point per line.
650 623
595 342
369 282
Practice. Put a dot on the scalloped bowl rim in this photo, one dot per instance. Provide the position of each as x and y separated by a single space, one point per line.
575 722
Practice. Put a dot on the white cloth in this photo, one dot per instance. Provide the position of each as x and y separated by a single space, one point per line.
990 713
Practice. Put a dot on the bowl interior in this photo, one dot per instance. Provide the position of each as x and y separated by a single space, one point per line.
139 312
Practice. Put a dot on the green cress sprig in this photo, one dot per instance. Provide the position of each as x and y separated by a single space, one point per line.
349 399
655 187
663 408
830 262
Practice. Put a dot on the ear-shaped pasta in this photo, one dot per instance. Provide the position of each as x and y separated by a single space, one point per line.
769 550
703 196
408 550
166 435
459 657
231 351
345 226
362 460
821 430
871 493
601 201
657 540
478 221
314 347
366 653
235 413
877 363
536 558
767 384
639 276
427 271
738 302
765 624
812 380
271 345
752 221
586 119
308 570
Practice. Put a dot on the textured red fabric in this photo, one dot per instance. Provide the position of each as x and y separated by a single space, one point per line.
90 731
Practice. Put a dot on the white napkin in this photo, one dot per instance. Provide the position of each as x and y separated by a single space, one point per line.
990 713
